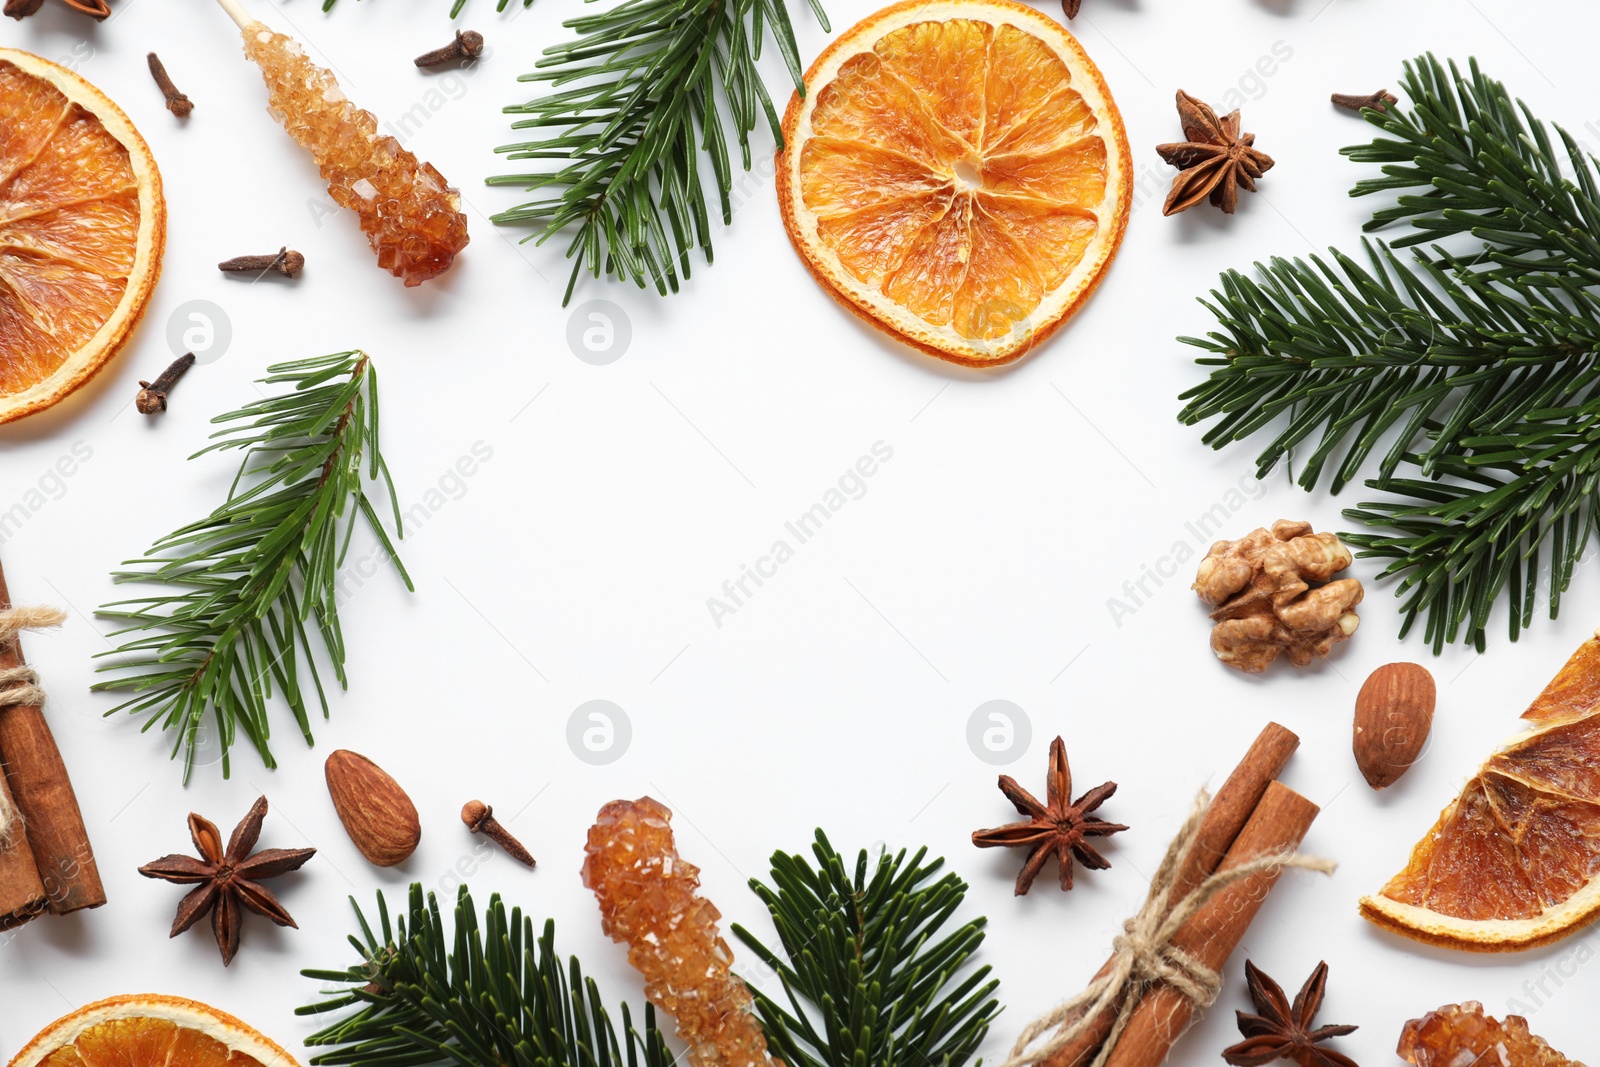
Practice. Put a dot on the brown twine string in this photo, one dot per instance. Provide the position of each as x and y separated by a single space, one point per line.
1144 955
19 686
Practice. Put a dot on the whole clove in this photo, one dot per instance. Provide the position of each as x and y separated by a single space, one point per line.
152 398
1381 100
177 103
467 45
286 261
480 819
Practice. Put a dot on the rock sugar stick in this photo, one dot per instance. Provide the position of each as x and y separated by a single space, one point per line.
649 902
409 213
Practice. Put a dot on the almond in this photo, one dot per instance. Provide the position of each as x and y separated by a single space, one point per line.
1394 712
376 812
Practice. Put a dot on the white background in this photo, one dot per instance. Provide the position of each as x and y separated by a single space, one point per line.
575 563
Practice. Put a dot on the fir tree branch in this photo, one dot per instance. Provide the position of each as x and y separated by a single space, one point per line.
1473 365
243 582
636 104
866 981
490 993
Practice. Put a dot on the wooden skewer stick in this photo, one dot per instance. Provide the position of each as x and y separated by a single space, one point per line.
237 13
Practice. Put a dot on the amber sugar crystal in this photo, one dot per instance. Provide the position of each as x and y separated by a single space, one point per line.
410 214
1461 1035
648 901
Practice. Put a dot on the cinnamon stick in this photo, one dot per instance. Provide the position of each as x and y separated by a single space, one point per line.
22 895
1279 824
43 796
1230 810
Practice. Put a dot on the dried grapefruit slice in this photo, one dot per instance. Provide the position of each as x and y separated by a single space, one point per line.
82 227
150 1031
957 175
1514 861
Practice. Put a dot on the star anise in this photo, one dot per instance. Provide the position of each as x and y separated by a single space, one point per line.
1215 160
229 881
1282 1031
1061 826
1071 7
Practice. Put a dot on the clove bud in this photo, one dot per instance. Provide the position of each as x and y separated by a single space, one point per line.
287 262
1381 100
467 45
152 398
177 103
480 819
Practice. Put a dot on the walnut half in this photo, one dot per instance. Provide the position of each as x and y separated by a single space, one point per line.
1272 593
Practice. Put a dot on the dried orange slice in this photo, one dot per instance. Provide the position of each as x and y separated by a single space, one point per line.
82 227
957 175
150 1031
1514 861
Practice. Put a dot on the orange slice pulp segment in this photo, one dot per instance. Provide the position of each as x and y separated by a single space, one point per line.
1514 861
957 175
82 227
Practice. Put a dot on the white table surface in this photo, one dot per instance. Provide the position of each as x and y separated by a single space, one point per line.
607 503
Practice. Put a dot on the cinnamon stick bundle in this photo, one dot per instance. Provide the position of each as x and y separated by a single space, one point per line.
1230 810
1277 827
42 797
1215 878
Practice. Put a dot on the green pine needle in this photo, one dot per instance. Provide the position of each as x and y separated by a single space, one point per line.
647 91
230 626
491 993
1463 378
867 977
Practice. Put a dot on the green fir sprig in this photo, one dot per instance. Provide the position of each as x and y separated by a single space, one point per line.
868 978
230 627
489 993
646 92
1463 376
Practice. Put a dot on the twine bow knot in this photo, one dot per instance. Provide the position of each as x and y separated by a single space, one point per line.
19 686
1144 954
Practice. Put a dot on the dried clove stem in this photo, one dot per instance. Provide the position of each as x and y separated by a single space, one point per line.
286 262
467 45
152 398
480 819
177 103
1378 101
